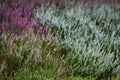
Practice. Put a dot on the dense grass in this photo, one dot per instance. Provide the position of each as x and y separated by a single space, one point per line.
67 42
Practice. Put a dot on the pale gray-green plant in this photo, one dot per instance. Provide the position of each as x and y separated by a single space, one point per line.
92 34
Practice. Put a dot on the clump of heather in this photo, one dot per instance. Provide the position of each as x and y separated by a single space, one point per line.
92 34
30 52
17 16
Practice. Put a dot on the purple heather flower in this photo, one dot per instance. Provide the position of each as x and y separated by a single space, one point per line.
40 31
5 25
43 31
46 31
22 33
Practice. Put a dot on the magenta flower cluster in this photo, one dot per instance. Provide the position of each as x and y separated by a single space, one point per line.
43 31
16 15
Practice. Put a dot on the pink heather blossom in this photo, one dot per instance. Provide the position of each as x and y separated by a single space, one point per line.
43 31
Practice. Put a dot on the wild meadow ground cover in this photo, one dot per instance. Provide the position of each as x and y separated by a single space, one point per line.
59 40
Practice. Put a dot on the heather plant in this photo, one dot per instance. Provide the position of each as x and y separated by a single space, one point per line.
30 53
92 34
16 15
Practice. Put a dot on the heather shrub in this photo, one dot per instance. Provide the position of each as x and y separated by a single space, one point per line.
31 52
92 34
16 16
59 41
